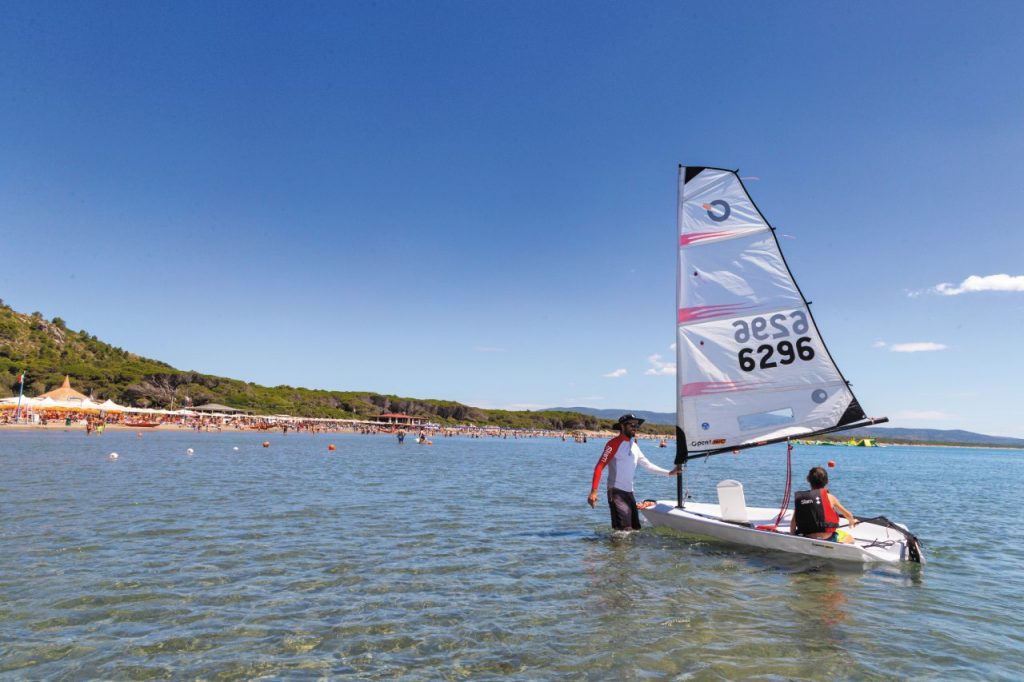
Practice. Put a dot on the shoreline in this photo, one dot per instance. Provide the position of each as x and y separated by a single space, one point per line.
78 426
492 432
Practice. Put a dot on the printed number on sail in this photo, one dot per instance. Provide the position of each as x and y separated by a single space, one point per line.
766 353
758 328
777 326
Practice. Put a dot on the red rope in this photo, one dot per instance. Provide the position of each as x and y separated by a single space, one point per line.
785 496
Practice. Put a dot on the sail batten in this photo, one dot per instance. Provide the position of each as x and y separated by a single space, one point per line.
751 364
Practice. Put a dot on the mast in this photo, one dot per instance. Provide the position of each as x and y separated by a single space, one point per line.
682 454
681 457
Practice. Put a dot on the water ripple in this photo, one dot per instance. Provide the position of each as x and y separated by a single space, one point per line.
384 561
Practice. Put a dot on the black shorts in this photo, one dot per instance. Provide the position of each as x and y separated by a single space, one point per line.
623 508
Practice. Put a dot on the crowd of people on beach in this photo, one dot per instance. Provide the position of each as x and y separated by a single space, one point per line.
95 423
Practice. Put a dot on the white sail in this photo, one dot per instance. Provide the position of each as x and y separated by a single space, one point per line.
751 366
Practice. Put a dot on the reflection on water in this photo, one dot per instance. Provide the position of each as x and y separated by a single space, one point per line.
819 600
381 561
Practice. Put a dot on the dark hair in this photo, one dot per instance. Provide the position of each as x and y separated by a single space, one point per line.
817 477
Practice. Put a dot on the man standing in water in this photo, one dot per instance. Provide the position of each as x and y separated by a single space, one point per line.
622 454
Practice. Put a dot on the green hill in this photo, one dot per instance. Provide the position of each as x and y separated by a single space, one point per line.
47 351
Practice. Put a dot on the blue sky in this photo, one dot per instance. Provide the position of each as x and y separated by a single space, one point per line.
475 201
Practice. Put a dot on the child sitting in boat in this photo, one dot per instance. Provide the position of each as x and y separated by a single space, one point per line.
815 513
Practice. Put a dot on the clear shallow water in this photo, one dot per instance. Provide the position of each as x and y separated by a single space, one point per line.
479 559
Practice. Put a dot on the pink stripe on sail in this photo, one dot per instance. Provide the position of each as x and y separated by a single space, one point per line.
712 387
710 312
687 239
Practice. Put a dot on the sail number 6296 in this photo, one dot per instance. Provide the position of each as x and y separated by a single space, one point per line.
777 326
787 354
780 323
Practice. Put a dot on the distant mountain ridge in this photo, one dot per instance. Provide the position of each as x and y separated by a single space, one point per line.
667 418
880 432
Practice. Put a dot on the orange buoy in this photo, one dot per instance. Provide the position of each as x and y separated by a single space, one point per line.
266 443
831 464
331 447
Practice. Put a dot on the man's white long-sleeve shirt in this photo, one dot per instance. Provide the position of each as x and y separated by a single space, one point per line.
622 455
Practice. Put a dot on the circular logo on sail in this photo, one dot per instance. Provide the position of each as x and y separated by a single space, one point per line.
724 210
819 396
705 426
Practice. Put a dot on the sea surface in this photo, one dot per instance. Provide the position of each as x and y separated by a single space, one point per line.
480 559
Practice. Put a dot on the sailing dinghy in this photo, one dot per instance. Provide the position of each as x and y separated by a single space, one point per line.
752 370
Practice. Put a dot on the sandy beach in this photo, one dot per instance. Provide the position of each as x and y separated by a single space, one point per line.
597 437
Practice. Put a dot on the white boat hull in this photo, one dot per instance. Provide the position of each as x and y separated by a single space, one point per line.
873 543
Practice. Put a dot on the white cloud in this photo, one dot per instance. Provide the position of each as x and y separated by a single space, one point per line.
922 347
976 283
672 347
879 344
616 373
923 415
660 368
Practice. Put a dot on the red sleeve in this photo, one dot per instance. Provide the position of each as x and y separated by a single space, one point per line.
607 454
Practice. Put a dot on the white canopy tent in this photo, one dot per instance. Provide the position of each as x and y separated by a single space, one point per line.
12 402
